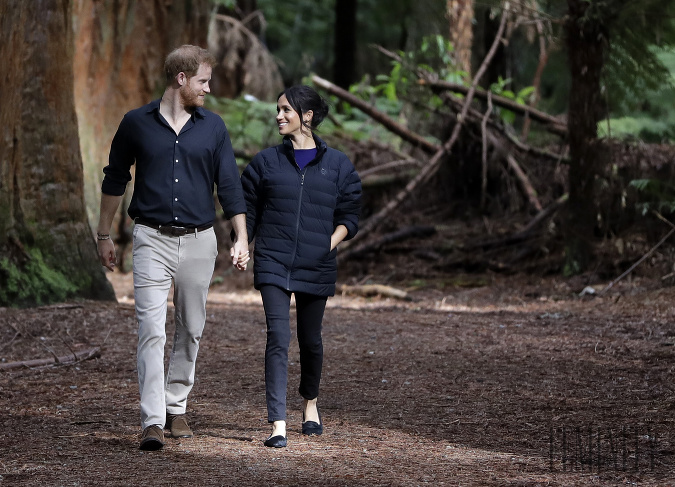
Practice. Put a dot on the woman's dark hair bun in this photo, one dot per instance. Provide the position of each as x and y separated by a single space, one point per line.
303 98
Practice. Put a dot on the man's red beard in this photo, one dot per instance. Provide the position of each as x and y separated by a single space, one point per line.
189 98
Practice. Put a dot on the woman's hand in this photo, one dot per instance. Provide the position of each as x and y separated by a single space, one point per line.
338 236
240 255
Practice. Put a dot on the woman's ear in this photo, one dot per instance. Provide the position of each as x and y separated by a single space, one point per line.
307 117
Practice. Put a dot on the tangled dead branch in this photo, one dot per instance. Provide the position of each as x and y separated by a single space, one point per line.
66 359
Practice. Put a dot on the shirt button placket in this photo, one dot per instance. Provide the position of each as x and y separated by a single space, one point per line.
175 199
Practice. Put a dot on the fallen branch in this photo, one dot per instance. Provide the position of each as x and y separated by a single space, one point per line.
397 236
375 114
484 162
68 359
527 232
389 165
550 123
386 180
434 163
374 290
643 258
528 189
476 117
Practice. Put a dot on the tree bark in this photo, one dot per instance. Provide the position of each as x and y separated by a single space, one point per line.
47 252
460 19
585 43
120 46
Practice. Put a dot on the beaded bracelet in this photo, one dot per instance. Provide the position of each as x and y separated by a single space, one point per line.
102 236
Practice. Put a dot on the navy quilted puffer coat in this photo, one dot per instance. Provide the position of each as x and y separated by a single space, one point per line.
292 214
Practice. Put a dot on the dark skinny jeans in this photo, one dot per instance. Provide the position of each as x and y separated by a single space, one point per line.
310 309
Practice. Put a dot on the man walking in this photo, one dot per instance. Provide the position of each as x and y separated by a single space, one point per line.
181 151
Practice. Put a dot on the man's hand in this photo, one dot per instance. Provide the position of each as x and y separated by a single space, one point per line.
106 253
239 252
240 255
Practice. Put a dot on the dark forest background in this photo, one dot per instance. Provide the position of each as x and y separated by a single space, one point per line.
528 136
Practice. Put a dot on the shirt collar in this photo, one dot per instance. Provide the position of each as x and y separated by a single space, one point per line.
154 106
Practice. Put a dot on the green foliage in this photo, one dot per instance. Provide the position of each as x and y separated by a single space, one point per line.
300 33
250 122
433 56
657 195
231 4
34 284
639 34
499 88
572 267
650 116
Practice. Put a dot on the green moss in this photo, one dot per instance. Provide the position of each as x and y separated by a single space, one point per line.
35 283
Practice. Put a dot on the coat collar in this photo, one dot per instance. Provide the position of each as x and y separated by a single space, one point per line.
321 147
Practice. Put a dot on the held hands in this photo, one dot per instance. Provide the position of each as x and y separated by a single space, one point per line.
240 256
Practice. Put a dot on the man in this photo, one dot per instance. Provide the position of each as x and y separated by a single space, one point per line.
181 151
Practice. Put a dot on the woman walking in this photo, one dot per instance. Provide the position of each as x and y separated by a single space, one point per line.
303 199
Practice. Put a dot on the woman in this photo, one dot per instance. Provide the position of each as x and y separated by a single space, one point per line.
303 199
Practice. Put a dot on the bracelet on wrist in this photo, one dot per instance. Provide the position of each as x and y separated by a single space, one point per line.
102 236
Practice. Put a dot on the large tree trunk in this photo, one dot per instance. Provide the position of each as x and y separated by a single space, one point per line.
47 252
460 20
585 40
120 46
344 68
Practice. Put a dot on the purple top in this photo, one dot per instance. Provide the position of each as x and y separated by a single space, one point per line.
304 156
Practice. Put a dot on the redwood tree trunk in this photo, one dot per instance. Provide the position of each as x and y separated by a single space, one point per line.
120 46
47 252
585 40
460 20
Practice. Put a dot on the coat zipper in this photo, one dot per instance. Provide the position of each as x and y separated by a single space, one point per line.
297 229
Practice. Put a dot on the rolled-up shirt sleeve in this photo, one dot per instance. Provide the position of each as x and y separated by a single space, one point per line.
228 183
117 173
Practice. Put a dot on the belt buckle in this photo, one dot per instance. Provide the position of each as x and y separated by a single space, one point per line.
173 231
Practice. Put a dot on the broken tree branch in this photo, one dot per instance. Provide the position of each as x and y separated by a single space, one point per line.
375 114
434 163
374 290
528 189
484 162
551 123
643 258
397 236
68 359
524 234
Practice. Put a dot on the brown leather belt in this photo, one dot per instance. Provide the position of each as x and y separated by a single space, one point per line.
171 230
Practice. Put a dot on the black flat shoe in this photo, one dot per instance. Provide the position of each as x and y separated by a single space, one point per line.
310 428
275 441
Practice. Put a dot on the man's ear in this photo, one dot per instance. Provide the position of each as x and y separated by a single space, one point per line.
181 78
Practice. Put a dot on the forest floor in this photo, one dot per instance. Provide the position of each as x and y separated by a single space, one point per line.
509 381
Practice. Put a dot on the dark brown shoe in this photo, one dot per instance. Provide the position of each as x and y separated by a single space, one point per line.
152 439
177 424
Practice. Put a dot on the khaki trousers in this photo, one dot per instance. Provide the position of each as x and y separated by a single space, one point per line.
159 260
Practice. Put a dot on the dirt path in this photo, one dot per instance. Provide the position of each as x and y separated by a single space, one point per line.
520 384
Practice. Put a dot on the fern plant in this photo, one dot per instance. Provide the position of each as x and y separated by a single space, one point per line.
657 195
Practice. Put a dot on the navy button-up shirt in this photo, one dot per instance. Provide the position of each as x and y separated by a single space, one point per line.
175 174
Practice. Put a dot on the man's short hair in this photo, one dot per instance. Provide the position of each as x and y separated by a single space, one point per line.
186 59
